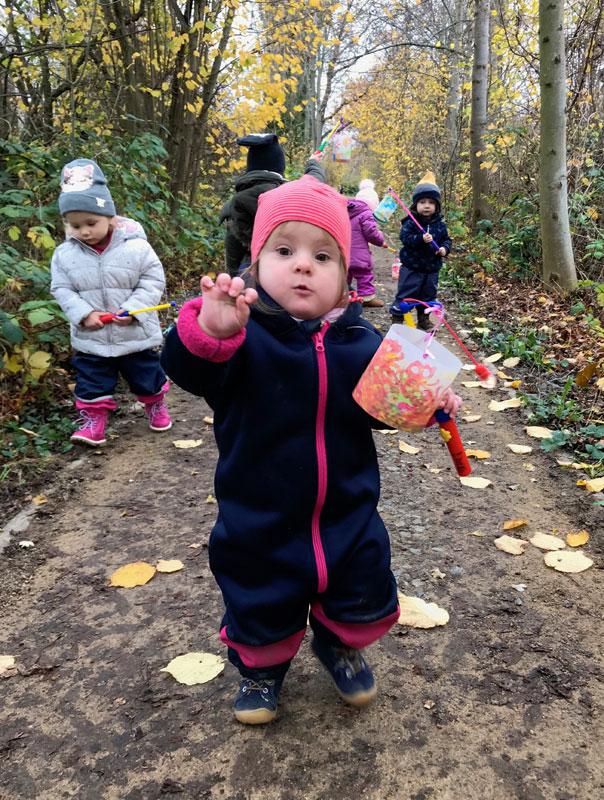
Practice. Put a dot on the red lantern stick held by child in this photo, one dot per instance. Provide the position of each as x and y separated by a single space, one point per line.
397 198
110 317
448 428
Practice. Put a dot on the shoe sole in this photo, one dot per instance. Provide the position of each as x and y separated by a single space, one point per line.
256 716
159 430
358 700
83 440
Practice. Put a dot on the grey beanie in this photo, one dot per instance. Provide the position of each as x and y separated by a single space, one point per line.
84 188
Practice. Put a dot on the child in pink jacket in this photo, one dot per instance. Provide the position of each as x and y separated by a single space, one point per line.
364 232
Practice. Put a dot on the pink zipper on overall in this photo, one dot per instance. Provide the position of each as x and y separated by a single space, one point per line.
321 458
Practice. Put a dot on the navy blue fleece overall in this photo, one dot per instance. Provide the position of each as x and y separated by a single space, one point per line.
297 482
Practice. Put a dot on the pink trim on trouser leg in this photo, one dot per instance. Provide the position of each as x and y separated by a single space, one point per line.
268 656
153 398
107 402
356 634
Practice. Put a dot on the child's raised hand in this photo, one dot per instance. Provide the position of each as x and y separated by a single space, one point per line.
450 402
427 238
226 305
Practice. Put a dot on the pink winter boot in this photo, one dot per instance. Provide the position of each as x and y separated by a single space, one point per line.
159 419
91 421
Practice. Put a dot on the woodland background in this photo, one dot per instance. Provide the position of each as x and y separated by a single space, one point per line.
510 121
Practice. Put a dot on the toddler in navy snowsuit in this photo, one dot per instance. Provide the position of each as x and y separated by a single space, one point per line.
297 478
420 260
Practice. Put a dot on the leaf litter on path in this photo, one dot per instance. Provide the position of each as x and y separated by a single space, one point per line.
511 545
194 668
416 613
544 541
136 574
568 561
577 539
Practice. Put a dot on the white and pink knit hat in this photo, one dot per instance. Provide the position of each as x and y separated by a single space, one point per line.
368 194
304 200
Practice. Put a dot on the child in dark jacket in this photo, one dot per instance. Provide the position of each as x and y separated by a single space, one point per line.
297 478
420 260
364 232
265 170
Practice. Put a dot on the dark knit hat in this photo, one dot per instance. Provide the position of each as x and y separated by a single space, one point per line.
264 152
84 188
427 189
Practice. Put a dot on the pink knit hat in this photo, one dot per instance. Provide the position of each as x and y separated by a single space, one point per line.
304 200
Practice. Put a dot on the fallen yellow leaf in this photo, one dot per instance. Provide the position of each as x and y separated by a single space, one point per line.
529 467
577 539
476 533
208 420
595 485
538 433
169 566
511 384
501 405
511 362
40 499
585 375
472 418
471 384
546 542
387 431
514 523
211 499
475 483
568 561
503 376
416 613
520 449
407 448
480 319
136 574
194 668
493 358
478 454
7 666
509 544
482 330
185 444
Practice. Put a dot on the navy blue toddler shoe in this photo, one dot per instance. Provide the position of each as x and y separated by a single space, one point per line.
256 701
349 670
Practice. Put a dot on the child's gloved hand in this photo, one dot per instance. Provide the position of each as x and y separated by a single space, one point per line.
450 402
122 321
427 237
226 305
93 321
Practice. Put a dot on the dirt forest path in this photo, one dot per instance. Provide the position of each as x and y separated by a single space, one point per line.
505 702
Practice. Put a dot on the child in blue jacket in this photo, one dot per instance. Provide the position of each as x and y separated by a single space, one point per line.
297 478
420 259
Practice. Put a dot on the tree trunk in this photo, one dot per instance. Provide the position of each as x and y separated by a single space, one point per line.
558 266
478 119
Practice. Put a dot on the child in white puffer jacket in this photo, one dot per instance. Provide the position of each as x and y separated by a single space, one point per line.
107 266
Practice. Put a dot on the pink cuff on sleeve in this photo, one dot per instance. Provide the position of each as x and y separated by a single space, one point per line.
200 343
